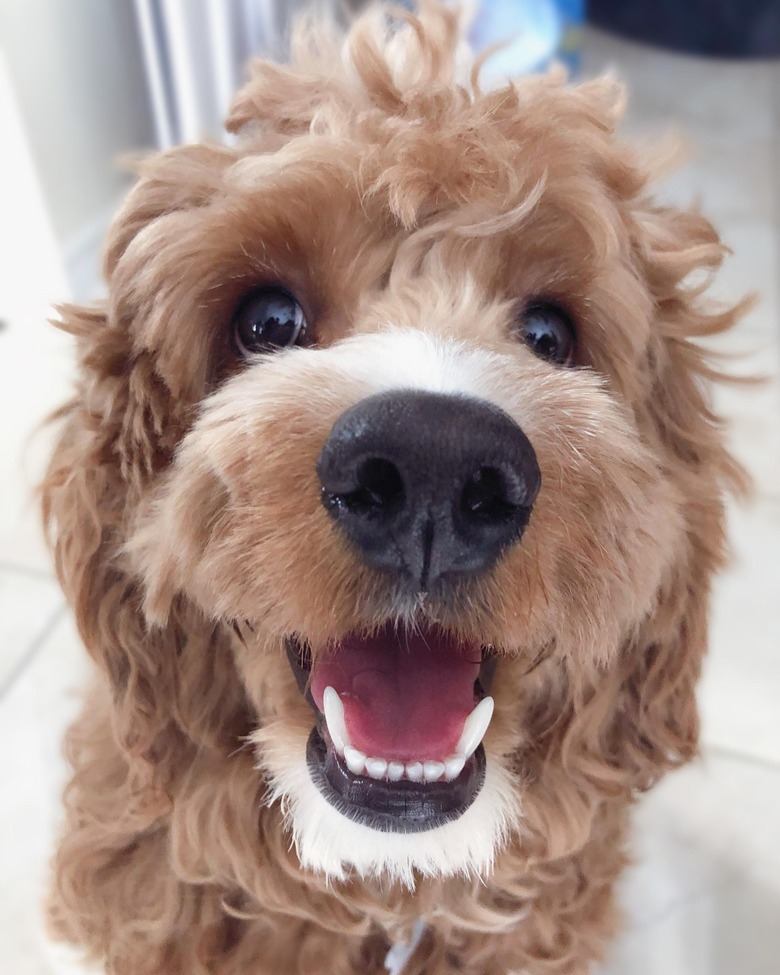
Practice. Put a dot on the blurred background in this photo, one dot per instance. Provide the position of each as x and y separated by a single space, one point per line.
85 82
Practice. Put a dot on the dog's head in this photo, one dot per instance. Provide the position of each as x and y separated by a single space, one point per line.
392 451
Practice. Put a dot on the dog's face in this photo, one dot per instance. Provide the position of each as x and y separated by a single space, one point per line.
426 440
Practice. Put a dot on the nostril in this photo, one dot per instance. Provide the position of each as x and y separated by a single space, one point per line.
486 497
379 489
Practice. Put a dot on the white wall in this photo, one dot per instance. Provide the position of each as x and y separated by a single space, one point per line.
77 72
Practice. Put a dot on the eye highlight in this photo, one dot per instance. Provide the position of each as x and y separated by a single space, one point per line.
268 319
548 333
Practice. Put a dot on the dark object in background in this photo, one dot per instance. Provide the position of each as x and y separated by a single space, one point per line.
720 28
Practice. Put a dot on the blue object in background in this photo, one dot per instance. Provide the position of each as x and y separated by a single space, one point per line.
536 32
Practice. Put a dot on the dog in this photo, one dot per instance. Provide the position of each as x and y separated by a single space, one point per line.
388 506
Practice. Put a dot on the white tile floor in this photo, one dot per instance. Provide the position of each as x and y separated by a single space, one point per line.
704 895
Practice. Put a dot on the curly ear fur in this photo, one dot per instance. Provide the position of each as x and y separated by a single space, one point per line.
172 685
678 251
609 734
640 719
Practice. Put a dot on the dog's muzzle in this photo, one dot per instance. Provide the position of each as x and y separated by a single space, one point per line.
428 488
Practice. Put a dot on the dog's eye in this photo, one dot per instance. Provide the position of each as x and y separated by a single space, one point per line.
267 319
548 333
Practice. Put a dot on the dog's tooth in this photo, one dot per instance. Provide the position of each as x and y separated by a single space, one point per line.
376 767
414 771
333 707
475 727
395 771
453 766
433 771
356 761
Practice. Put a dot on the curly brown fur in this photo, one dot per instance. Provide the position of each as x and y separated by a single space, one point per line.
184 512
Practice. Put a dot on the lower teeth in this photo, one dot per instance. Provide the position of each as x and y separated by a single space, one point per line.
380 769
427 771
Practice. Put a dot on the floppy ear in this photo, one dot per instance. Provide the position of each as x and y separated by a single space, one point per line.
173 686
656 723
618 729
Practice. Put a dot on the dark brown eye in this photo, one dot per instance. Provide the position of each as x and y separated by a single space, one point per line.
548 333
268 319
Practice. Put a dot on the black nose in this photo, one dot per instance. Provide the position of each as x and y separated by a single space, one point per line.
428 484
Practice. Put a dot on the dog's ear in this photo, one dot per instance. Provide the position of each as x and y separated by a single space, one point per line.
173 686
629 722
656 725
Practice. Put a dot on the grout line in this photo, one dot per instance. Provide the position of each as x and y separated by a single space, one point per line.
33 650
735 755
27 570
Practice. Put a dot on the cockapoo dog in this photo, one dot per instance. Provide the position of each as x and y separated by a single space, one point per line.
388 507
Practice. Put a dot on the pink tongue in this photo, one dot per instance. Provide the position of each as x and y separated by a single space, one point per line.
406 694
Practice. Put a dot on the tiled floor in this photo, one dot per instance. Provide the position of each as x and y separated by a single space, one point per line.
704 895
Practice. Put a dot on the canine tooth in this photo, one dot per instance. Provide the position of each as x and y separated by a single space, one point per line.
433 771
414 771
356 761
334 718
376 767
453 766
395 771
475 727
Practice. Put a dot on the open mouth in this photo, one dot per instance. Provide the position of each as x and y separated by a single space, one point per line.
401 714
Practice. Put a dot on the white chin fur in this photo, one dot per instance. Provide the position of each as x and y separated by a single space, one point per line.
329 843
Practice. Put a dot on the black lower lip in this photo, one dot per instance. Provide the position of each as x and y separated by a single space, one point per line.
393 807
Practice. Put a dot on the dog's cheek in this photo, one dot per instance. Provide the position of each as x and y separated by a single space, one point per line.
622 536
605 531
172 529
237 524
